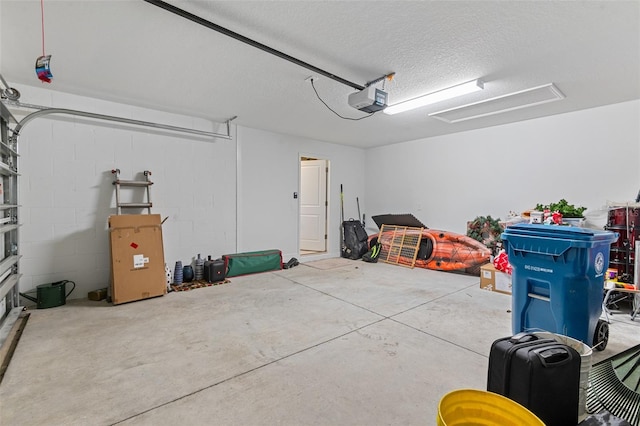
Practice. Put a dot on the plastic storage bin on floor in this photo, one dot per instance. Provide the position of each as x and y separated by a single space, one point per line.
558 279
476 407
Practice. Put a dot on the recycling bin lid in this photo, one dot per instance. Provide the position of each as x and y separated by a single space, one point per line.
559 232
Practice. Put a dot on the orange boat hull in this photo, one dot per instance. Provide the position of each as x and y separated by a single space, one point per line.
451 251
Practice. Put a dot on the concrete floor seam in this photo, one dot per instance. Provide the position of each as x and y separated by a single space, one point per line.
335 297
369 310
390 317
430 301
247 372
438 337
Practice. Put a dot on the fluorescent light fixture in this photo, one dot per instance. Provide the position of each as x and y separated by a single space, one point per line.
432 98
501 104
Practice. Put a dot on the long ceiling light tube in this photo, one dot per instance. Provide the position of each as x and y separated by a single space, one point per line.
198 20
501 104
431 98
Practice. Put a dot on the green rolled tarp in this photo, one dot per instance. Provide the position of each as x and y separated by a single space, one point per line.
252 262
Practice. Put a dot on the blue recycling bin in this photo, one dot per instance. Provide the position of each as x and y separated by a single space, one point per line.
558 280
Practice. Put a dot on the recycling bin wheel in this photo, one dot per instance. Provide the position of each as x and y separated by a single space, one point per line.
601 336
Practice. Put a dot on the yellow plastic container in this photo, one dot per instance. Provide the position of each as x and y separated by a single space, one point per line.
482 408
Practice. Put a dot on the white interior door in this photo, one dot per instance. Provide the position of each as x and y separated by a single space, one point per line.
313 205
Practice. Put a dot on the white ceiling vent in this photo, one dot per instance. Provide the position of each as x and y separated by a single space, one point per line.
509 102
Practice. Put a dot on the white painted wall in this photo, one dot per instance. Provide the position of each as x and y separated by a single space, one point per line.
269 169
230 196
587 157
66 190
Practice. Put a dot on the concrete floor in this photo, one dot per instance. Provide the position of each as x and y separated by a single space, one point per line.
329 342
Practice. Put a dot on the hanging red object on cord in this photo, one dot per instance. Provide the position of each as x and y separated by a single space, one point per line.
43 68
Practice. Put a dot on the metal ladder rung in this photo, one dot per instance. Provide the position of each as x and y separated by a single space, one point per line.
118 183
136 205
132 183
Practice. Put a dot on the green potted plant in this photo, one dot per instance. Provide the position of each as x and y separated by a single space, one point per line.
574 214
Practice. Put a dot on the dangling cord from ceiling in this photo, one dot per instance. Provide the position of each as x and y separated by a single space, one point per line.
384 79
42 23
330 109
43 70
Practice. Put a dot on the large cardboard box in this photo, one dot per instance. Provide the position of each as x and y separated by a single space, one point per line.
493 280
137 257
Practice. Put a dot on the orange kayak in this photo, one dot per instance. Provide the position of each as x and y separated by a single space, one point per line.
442 250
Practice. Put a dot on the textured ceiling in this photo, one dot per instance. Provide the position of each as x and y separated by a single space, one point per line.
136 53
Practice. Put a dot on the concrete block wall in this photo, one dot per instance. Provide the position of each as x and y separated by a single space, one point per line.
222 196
66 192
